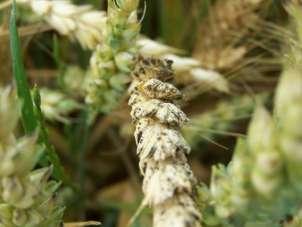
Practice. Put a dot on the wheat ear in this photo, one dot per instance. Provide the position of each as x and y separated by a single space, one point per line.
112 61
168 180
26 195
80 23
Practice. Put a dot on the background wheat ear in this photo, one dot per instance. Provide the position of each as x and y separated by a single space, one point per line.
80 23
27 195
112 62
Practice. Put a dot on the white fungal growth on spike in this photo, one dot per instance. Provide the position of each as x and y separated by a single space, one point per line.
168 180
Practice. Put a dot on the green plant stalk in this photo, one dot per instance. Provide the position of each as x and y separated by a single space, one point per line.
29 120
32 118
58 171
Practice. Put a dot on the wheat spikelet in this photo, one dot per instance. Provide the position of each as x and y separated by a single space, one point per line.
230 189
26 195
267 173
168 180
288 102
55 105
112 61
80 23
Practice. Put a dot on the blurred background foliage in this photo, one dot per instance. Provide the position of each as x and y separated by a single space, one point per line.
240 39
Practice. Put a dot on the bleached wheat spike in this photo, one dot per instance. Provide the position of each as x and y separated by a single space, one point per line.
168 180
80 23
26 195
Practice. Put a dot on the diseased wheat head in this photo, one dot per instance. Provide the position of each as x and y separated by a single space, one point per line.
168 180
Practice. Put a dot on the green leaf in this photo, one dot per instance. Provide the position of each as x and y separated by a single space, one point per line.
59 62
28 117
58 171
32 117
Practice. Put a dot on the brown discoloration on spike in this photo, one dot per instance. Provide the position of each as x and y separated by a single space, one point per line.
168 180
